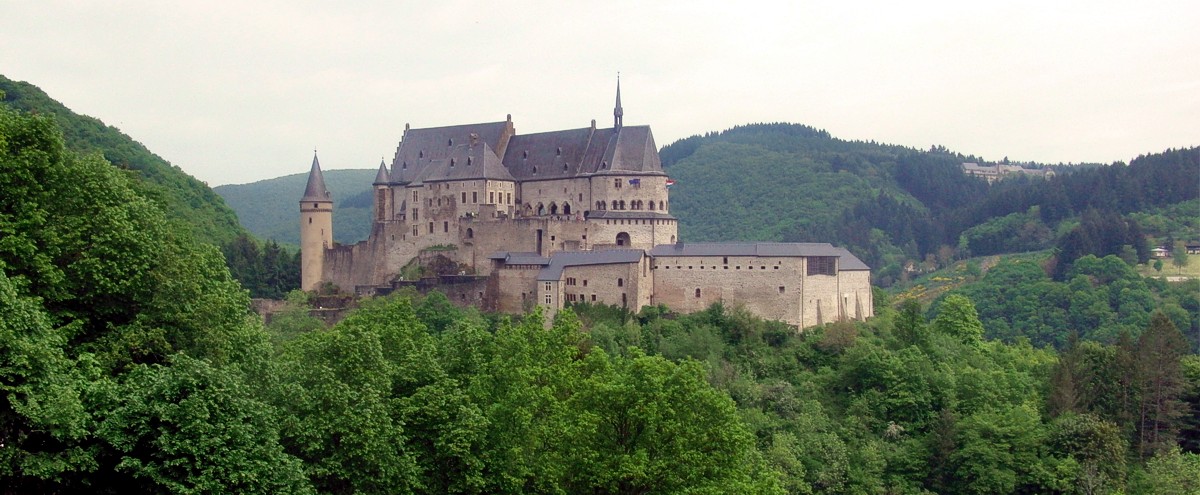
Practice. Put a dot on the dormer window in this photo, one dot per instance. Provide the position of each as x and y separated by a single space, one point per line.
535 170
558 152
421 154
450 142
525 154
469 160
404 165
451 163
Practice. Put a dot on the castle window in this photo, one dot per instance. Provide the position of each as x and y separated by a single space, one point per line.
464 197
445 226
310 220
451 163
566 209
593 298
430 227
491 197
558 152
585 282
822 265
547 298
470 234
697 292
475 197
614 204
781 289
564 167
651 206
450 142
525 154
623 239
725 260
620 282
510 198
469 161
622 203
535 170
414 230
415 216
547 286
617 183
553 209
421 154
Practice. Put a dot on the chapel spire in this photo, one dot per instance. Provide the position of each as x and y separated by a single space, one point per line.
618 112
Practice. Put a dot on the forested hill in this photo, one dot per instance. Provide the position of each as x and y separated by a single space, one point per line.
895 206
270 208
181 196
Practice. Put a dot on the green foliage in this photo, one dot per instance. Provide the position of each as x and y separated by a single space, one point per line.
957 318
187 201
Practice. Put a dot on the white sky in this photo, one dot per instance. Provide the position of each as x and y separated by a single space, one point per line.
234 91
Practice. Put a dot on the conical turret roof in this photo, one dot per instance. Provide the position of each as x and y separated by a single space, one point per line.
316 190
382 177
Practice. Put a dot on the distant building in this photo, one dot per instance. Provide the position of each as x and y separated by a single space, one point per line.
553 218
993 173
1160 252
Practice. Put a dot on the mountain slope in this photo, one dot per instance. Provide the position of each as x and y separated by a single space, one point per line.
181 196
270 208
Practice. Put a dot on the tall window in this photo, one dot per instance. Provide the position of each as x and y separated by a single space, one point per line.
822 265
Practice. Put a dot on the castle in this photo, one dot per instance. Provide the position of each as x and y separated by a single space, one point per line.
578 215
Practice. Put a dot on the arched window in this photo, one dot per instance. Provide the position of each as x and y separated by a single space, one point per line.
623 239
470 233
622 203
599 205
614 204
541 209
652 206
566 208
553 209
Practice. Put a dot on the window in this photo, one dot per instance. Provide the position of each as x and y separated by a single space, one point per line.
464 197
491 197
474 197
617 183
430 227
593 298
697 292
414 230
414 196
445 226
620 282
470 233
310 220
585 282
781 289
822 265
547 286
510 198
547 298
415 217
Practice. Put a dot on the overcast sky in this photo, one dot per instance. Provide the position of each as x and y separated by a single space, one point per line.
239 91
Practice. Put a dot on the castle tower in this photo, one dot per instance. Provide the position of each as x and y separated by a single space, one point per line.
383 194
316 227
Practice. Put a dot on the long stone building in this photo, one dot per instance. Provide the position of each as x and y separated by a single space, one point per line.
578 215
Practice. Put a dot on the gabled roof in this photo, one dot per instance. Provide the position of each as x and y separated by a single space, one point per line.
465 162
564 259
420 147
847 261
575 152
315 190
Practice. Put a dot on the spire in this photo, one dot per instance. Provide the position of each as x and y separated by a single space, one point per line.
381 178
316 190
618 112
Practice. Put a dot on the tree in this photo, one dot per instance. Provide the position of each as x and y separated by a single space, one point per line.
1179 256
1162 382
1158 265
957 318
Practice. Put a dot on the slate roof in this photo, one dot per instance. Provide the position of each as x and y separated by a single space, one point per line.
563 259
382 177
420 147
774 249
628 150
520 258
464 162
315 190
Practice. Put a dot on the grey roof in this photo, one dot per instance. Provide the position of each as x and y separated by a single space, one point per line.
850 261
576 152
602 214
563 259
465 162
520 258
316 190
382 177
774 249
420 147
